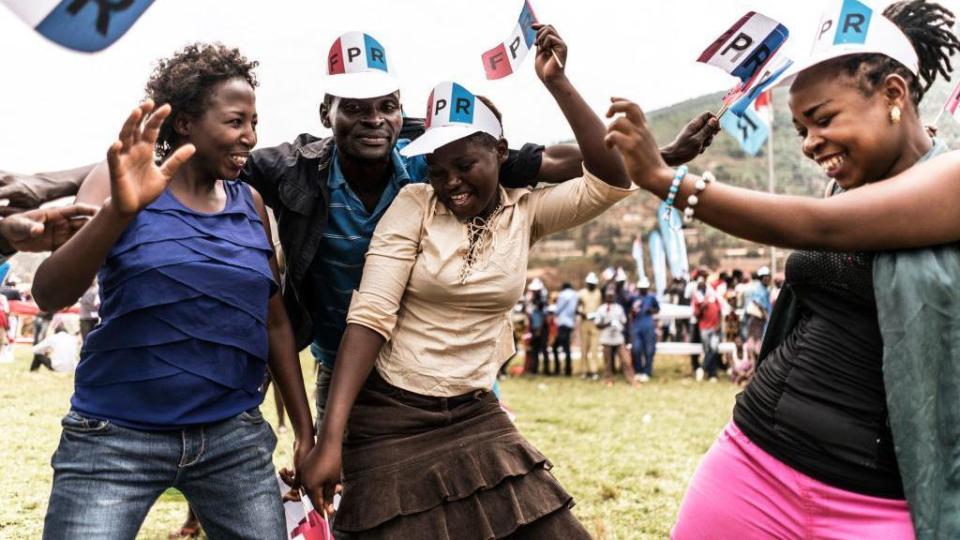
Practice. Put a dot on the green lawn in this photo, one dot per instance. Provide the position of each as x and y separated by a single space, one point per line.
626 455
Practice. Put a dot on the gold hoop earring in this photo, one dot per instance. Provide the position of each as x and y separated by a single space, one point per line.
895 115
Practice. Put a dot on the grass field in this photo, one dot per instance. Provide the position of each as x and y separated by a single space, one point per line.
626 455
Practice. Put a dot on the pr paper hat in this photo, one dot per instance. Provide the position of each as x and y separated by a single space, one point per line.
453 113
357 67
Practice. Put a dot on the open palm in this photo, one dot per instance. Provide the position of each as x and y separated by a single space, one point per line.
135 178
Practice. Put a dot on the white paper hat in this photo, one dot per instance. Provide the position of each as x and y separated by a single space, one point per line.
763 271
592 279
644 283
357 68
453 112
850 27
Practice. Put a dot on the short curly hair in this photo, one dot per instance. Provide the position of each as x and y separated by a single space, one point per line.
186 79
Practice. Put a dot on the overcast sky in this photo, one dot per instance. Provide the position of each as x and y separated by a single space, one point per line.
59 108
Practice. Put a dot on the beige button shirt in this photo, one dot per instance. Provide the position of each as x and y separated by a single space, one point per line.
446 338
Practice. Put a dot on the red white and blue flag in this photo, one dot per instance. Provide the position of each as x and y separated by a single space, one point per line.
746 47
740 98
952 106
505 58
81 25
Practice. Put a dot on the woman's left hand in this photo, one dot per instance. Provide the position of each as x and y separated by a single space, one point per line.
301 449
44 229
551 53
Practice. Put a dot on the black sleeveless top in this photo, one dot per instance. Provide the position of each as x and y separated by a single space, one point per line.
817 401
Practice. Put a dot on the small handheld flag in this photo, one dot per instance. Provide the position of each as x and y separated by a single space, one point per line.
951 106
749 129
738 102
81 25
505 58
745 47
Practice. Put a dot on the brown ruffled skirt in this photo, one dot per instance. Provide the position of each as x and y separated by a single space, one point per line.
417 466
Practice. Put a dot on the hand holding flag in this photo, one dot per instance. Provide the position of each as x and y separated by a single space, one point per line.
551 52
505 58
744 50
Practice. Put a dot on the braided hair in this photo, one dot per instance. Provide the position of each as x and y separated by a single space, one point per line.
186 81
929 27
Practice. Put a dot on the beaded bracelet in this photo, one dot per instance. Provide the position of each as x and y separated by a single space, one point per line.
678 177
694 198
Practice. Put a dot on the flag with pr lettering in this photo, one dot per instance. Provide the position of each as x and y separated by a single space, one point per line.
739 101
82 25
749 129
505 58
745 47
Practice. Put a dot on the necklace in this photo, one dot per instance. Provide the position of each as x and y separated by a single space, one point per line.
479 234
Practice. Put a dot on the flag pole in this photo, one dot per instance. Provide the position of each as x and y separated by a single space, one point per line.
939 115
771 178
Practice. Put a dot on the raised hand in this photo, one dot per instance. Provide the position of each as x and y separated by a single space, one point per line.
695 137
135 179
44 229
631 136
551 53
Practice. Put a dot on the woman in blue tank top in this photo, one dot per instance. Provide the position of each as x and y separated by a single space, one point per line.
167 389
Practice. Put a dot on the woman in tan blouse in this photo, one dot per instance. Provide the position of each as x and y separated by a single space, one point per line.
428 452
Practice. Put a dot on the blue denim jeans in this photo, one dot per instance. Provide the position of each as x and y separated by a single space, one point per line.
106 478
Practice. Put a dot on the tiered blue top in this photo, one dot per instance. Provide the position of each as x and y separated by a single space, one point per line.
183 336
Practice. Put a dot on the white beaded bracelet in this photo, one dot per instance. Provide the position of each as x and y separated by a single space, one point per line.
694 198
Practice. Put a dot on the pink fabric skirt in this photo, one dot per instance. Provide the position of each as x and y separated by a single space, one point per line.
741 492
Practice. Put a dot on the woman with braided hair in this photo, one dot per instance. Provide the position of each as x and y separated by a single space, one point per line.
850 425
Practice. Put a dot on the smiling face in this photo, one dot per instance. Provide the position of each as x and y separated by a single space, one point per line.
364 129
225 132
465 175
847 130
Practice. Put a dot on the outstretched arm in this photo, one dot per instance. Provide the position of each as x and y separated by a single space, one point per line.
586 125
28 191
562 162
283 361
43 229
135 182
916 208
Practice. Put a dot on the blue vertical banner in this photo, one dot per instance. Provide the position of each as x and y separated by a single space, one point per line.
672 238
658 262
749 130
637 253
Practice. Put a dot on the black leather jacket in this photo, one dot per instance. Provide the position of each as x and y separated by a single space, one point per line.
292 178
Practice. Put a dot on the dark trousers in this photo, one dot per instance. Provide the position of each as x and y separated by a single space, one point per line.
86 325
644 342
695 338
40 360
538 348
40 326
562 342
